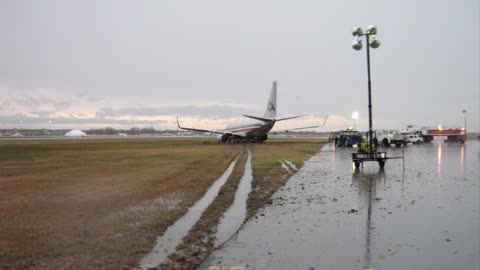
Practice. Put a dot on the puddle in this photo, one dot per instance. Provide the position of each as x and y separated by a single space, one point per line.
169 202
288 166
235 215
289 163
425 216
167 243
285 166
166 202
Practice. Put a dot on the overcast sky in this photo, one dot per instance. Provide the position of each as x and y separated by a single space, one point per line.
84 64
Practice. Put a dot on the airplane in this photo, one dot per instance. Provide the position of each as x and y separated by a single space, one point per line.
322 125
256 132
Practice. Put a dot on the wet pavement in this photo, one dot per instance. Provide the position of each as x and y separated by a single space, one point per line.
421 216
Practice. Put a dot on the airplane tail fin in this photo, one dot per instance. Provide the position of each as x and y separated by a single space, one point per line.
271 111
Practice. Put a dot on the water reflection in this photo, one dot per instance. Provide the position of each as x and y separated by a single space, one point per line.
439 158
462 158
235 215
448 152
367 184
328 218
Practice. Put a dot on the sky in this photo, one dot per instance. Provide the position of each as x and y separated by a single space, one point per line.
91 64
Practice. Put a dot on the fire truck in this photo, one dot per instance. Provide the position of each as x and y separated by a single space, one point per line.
449 135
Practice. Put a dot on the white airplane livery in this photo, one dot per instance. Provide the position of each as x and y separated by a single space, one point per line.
256 132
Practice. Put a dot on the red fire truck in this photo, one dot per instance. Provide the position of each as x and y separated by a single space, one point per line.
451 135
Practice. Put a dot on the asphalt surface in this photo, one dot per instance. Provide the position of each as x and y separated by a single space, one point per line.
424 215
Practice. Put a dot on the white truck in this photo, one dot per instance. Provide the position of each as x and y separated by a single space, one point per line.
412 137
388 138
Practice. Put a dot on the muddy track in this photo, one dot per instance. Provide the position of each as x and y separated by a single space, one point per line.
200 241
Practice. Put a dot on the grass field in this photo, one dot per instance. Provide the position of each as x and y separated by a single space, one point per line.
100 203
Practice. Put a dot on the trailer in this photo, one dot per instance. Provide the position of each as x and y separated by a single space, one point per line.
360 157
368 152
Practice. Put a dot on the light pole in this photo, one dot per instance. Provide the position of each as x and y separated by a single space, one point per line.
355 117
357 45
465 120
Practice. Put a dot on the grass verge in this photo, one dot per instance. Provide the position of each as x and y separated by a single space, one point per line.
101 203
95 203
268 177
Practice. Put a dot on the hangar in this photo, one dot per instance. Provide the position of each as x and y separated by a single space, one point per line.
75 133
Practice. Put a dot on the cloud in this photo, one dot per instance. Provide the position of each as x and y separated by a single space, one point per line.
71 121
35 108
126 118
35 100
86 96
213 111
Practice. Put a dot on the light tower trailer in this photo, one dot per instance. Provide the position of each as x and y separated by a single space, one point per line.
368 152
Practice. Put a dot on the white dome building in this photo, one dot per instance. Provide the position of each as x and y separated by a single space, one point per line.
75 133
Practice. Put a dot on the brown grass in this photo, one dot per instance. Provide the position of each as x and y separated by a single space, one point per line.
199 243
100 203
94 203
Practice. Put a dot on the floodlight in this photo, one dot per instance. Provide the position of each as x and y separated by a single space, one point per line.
357 31
357 44
374 43
371 30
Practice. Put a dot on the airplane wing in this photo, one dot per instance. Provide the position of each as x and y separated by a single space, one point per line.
270 120
304 128
259 118
325 120
293 129
200 130
322 125
293 117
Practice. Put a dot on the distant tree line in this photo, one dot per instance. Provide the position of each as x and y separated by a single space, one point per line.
96 131
131 131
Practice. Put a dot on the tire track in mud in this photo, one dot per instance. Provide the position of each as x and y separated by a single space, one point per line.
202 239
168 242
236 214
288 166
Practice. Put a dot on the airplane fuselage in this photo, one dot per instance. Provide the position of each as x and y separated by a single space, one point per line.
256 132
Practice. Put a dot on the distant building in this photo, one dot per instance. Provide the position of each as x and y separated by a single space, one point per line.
75 133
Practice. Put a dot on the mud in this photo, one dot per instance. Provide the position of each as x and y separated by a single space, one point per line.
286 167
236 214
424 215
291 165
167 243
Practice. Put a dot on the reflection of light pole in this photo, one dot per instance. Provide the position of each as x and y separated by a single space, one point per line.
355 117
357 45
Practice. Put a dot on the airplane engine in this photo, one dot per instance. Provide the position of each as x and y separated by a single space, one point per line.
222 138
262 138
